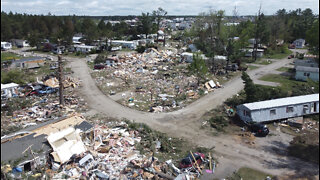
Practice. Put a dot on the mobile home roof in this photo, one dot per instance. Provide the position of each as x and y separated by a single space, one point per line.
282 102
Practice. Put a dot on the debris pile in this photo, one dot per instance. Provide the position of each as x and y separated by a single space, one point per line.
83 151
38 103
156 80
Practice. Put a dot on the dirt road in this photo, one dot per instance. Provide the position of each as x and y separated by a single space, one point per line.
185 123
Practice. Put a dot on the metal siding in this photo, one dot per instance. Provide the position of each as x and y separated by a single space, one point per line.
313 75
281 112
240 110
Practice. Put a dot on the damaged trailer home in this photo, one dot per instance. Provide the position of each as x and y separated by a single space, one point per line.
278 109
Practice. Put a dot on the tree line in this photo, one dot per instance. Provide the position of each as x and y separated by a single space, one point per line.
60 29
213 37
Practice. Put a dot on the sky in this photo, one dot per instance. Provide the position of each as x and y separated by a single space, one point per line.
136 7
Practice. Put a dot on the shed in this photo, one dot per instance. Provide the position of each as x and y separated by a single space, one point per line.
303 73
278 109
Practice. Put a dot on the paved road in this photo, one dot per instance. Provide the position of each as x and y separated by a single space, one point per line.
186 123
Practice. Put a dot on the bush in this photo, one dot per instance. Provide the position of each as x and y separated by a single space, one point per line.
14 76
218 122
141 49
101 59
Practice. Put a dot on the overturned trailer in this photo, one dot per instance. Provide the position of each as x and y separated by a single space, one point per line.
278 109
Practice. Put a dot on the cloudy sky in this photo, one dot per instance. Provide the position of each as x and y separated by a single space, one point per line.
136 7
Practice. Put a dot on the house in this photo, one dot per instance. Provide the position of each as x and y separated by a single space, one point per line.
30 63
278 109
6 46
9 90
299 43
83 48
304 72
20 43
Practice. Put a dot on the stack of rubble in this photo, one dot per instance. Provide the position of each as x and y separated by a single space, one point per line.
156 73
82 151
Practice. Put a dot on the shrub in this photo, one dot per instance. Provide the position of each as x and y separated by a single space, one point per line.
100 59
218 122
15 76
141 49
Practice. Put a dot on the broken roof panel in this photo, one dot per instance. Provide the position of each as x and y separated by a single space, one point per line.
66 143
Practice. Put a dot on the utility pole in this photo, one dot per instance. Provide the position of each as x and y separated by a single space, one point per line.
60 77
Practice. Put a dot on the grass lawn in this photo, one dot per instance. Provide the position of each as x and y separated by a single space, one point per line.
249 174
263 62
291 85
279 55
251 67
285 69
5 56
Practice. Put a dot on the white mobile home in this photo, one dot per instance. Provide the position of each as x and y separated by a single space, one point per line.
9 90
5 46
188 57
125 44
83 48
278 109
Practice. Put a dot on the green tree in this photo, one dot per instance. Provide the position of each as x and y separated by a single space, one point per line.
249 87
146 24
198 67
158 15
313 37
90 30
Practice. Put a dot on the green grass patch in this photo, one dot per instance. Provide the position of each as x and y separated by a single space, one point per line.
6 56
293 87
281 53
249 174
251 67
263 62
285 69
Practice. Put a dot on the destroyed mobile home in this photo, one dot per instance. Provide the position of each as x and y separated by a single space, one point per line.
73 148
28 105
154 81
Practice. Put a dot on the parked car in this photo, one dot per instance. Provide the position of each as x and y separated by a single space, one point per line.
291 56
259 129
99 66
47 90
292 46
188 161
232 67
